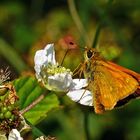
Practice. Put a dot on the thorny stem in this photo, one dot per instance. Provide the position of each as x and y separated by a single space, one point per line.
33 104
78 22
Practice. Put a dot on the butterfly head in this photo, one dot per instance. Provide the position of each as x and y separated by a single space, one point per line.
90 53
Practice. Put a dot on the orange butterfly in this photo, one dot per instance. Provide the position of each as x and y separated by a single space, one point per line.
111 84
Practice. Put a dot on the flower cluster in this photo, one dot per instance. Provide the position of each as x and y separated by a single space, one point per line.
57 78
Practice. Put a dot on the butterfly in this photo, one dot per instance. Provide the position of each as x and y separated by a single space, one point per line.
111 85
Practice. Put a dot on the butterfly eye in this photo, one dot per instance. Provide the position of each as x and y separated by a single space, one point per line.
89 53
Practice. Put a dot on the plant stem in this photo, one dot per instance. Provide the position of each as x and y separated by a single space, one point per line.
33 104
98 29
78 22
99 26
86 126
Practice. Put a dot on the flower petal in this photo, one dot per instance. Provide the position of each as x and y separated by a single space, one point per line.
14 135
50 53
78 84
82 96
43 57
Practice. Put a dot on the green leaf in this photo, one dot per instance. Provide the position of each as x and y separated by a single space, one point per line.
29 90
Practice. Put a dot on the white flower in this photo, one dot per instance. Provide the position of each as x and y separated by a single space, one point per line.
14 135
53 76
58 78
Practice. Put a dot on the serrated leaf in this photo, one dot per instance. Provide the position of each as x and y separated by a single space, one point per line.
29 90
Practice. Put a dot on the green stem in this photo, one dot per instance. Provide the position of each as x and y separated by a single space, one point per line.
78 22
86 125
98 29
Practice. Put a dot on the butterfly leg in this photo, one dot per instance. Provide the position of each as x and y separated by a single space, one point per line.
81 96
78 70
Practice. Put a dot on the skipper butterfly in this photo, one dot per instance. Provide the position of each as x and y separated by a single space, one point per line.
110 84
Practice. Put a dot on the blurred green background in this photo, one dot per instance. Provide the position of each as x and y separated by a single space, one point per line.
28 25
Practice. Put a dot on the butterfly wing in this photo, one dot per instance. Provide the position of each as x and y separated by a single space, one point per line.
128 71
110 85
112 65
